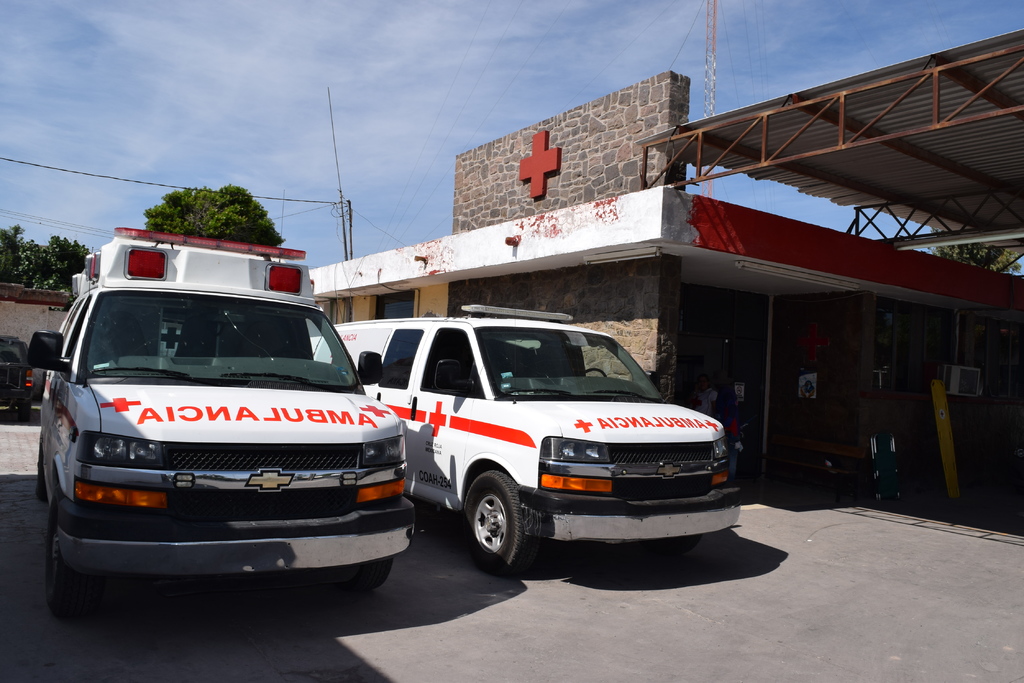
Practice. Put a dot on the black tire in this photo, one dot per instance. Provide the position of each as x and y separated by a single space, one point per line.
498 540
369 576
69 593
40 477
25 411
672 547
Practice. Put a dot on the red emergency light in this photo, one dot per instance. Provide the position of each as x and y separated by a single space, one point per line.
212 243
146 264
284 279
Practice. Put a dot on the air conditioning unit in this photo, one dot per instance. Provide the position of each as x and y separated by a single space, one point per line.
961 380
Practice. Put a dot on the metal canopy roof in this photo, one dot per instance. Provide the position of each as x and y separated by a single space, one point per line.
935 142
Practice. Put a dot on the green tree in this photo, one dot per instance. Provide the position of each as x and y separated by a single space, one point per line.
981 255
229 213
39 266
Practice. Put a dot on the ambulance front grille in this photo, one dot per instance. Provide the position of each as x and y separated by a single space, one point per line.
202 457
225 506
656 453
659 488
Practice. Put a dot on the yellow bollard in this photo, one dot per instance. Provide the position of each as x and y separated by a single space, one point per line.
945 437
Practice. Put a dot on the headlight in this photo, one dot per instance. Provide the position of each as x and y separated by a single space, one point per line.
721 448
384 452
573 450
122 451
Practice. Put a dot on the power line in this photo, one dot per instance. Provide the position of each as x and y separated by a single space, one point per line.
56 224
145 182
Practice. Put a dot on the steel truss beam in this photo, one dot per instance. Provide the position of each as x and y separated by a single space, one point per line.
745 144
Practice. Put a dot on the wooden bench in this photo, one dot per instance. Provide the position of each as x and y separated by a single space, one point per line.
841 460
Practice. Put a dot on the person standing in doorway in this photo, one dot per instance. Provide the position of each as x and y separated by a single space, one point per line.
727 411
703 397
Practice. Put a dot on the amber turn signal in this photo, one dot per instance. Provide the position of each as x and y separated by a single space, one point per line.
110 495
392 488
551 481
719 478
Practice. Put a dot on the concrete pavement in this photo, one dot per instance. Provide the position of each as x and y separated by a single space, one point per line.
799 590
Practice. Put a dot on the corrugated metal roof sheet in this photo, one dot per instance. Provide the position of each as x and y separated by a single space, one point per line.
953 129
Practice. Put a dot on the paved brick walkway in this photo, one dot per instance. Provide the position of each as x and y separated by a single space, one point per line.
19 443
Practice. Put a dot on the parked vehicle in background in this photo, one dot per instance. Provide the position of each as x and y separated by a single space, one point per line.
16 377
201 419
535 429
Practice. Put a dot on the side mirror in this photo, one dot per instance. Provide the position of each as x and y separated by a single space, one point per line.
44 351
371 368
446 376
655 378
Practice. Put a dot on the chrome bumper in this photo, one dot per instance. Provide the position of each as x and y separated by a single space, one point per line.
570 527
135 558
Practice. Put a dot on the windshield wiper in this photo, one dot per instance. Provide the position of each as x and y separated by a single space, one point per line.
176 374
624 392
539 390
286 378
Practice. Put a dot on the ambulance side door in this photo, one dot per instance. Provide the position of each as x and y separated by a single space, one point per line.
403 359
58 429
435 445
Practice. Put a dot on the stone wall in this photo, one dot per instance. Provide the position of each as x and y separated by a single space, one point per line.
23 320
637 302
600 155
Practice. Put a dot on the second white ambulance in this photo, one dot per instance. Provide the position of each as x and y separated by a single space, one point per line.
202 420
537 429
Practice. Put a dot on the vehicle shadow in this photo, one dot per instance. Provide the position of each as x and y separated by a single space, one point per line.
303 633
720 556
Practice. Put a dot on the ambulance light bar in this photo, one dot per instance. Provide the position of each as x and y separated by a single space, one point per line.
284 279
146 264
212 243
497 311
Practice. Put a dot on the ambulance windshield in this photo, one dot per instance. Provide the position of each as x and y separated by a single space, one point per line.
540 363
183 337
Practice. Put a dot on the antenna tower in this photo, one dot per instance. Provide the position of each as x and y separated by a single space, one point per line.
710 64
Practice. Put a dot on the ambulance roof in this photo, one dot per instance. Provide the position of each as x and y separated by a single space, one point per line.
141 259
471 322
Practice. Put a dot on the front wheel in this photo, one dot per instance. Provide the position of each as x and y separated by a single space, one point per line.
498 540
69 593
369 576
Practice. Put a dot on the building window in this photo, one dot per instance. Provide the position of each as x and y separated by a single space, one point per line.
912 341
893 325
1009 380
397 305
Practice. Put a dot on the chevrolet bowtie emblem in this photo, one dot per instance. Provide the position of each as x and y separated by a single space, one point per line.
669 470
269 480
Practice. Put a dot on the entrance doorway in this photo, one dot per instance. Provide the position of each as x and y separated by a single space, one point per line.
725 332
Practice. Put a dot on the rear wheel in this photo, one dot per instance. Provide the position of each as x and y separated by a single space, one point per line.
672 547
498 540
369 576
69 593
25 411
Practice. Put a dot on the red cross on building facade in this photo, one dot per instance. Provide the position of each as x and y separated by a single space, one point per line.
540 164
812 341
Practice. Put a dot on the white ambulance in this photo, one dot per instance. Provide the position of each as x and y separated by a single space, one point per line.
202 419
539 429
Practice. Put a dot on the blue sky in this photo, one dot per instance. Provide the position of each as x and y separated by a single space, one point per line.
198 93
